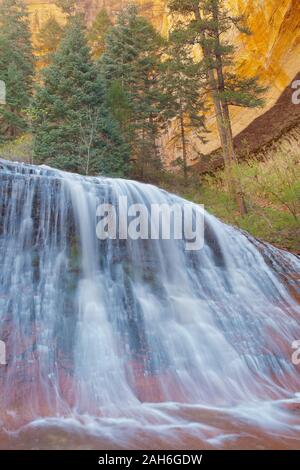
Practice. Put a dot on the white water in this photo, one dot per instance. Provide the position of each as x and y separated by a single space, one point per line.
96 331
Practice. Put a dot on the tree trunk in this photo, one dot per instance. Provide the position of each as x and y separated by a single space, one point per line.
184 149
142 157
155 149
223 123
237 187
87 169
231 156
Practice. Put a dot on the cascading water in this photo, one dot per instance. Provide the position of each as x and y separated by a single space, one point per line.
138 344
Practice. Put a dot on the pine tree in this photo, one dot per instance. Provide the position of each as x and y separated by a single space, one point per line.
184 101
130 66
68 7
72 125
206 24
48 39
16 67
97 33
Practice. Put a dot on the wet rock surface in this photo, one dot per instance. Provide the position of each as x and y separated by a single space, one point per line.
107 329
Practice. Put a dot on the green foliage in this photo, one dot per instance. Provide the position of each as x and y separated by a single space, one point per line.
20 149
72 125
48 38
183 6
97 33
16 67
206 24
67 6
244 92
182 81
272 192
119 103
130 67
276 179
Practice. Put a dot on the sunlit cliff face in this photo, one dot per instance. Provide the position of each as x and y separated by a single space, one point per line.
40 10
272 51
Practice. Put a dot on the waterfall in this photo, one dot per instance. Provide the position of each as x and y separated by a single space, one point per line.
137 331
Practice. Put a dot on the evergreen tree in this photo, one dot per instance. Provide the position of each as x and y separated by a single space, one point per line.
48 38
72 125
119 104
97 33
184 101
205 24
68 7
130 66
16 67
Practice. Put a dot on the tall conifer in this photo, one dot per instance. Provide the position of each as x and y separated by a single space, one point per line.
72 125
130 66
16 67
